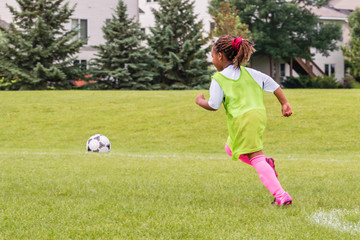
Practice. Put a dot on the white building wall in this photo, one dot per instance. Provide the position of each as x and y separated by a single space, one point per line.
95 12
146 17
4 11
202 10
335 57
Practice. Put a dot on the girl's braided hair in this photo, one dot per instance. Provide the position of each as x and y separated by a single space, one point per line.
238 54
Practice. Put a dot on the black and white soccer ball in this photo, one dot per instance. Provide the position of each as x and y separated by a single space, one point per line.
98 143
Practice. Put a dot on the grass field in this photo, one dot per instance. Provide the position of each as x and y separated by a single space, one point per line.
167 175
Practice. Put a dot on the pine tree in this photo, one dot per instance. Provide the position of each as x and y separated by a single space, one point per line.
227 22
122 62
36 50
177 45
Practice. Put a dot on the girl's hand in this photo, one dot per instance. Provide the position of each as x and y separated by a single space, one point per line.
199 98
286 110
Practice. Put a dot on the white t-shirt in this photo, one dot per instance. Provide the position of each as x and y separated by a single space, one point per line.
217 94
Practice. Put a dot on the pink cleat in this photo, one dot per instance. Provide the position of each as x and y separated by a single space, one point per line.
271 162
284 200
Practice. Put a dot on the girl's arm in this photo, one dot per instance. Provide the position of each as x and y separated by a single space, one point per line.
286 109
200 100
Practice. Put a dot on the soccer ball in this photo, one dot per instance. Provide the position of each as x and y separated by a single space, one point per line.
98 143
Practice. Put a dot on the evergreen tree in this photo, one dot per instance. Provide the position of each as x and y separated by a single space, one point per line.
36 49
177 45
227 21
352 51
122 62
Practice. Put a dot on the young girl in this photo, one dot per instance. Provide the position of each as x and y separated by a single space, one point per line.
240 90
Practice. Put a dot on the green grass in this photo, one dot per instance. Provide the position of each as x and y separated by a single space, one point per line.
167 175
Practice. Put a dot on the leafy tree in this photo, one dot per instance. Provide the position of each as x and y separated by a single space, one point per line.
227 22
286 29
123 62
36 49
177 45
352 51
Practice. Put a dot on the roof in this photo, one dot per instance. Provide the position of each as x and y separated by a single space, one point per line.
329 12
345 4
336 9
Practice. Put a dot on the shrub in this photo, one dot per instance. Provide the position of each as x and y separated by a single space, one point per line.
350 82
9 84
311 82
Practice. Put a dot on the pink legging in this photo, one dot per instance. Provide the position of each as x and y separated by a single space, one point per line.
242 157
266 173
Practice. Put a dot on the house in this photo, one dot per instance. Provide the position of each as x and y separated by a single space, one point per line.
89 16
337 11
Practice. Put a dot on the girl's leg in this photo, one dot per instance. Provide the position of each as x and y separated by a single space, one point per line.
268 178
242 157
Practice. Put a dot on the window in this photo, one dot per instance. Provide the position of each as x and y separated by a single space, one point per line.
81 63
282 69
332 68
212 26
282 72
82 26
329 69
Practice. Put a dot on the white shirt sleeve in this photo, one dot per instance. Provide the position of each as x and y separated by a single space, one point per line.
266 82
216 95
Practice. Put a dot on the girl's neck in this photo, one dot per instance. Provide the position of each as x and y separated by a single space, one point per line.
227 65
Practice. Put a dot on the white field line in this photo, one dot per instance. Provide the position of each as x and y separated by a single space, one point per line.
321 159
167 156
114 154
335 219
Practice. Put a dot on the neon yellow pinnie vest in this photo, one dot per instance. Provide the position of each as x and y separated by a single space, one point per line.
245 110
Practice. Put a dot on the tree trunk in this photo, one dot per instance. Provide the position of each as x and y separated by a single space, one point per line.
271 66
277 71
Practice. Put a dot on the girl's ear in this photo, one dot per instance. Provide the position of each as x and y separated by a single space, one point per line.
220 56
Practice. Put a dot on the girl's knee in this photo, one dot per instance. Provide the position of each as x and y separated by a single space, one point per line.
228 150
